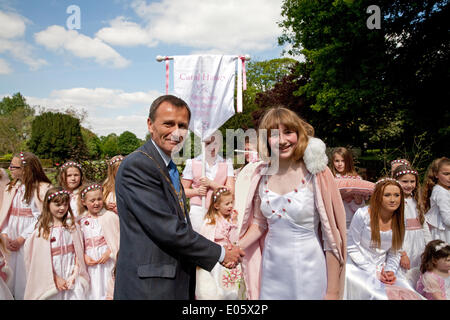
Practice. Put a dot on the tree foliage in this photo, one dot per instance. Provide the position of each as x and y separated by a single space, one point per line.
57 136
128 142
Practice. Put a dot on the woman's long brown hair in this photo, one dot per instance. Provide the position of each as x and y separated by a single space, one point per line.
397 223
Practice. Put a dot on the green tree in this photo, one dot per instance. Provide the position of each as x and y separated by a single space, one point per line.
128 142
15 123
92 143
57 136
110 145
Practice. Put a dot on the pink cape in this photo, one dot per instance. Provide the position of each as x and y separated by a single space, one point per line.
38 262
328 203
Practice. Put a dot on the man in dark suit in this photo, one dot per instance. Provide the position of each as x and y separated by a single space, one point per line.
159 250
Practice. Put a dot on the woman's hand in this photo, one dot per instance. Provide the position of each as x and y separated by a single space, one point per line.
404 261
105 257
387 277
202 191
60 283
89 261
111 206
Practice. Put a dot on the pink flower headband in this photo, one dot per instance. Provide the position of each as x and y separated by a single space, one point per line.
50 197
386 179
90 188
399 161
401 173
22 157
218 192
71 164
115 160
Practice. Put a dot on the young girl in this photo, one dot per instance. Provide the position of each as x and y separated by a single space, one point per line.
21 208
5 273
218 173
109 192
417 233
374 240
434 281
71 178
220 226
436 194
342 167
54 253
100 229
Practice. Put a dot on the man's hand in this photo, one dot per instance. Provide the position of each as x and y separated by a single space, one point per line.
233 256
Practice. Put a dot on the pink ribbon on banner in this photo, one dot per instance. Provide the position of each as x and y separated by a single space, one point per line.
244 74
167 74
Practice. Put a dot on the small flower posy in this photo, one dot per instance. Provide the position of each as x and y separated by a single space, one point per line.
386 179
218 192
401 173
90 188
115 160
441 246
50 197
22 157
70 164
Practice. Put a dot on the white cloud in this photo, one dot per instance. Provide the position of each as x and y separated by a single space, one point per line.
58 39
109 110
4 67
231 27
13 28
13 25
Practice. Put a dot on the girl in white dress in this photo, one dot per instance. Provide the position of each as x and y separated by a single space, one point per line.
21 208
220 226
54 253
296 264
374 240
109 192
71 178
100 229
437 199
342 167
434 281
218 173
417 233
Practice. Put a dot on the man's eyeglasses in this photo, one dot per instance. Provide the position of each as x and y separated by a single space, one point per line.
14 167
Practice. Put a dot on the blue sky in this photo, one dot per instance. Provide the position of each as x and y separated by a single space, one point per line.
108 66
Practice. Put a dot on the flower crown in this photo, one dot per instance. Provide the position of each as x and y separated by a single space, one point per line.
219 192
90 188
50 197
386 179
441 246
399 161
401 173
22 157
115 160
70 164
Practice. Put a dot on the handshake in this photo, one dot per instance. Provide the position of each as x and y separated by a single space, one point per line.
233 256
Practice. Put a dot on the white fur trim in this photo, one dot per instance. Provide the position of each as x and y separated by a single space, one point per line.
315 157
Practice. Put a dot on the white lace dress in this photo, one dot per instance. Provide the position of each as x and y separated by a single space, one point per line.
293 261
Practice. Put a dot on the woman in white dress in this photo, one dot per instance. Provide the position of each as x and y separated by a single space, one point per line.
374 242
288 210
218 173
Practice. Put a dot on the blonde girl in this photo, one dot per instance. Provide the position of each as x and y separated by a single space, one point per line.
54 253
434 281
417 233
109 192
21 208
100 229
220 226
436 194
71 178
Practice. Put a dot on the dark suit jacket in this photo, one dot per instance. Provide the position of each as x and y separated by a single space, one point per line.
159 250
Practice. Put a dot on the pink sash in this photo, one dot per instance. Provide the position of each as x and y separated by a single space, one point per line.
94 242
20 212
56 251
413 224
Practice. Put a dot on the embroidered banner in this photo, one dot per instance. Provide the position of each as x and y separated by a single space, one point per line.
206 83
